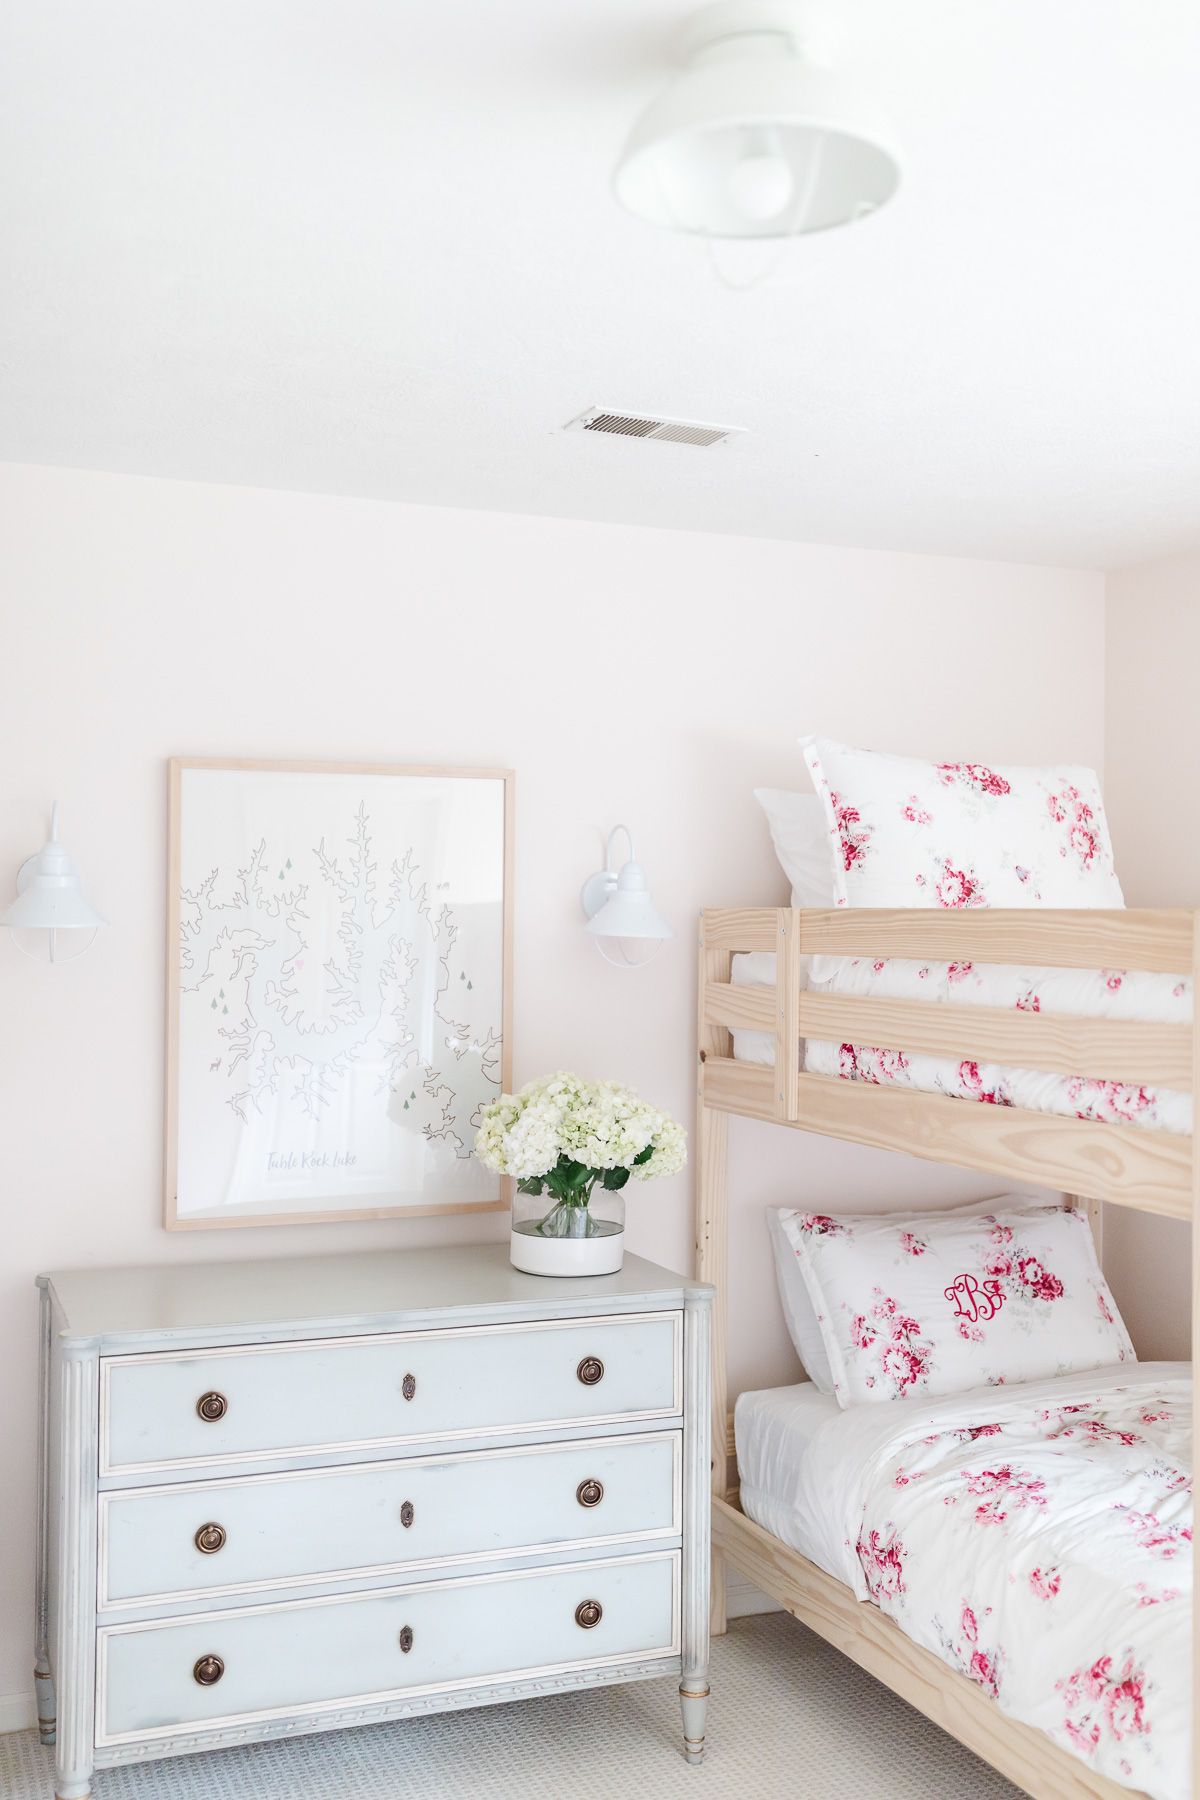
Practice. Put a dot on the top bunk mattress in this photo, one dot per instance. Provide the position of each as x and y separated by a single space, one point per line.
1078 993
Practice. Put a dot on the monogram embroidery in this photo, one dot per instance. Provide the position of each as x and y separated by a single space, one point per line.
975 1300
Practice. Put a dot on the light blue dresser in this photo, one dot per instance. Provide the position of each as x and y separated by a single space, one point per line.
293 1495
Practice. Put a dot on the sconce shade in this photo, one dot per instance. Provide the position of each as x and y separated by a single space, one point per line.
49 893
630 912
621 916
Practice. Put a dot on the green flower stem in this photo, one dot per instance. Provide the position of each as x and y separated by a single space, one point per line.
572 1184
577 1201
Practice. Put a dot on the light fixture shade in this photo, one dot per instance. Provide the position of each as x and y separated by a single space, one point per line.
752 140
49 893
630 912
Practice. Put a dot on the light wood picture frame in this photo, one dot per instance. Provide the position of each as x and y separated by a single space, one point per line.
339 989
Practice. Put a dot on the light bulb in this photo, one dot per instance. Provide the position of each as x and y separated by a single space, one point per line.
760 185
629 953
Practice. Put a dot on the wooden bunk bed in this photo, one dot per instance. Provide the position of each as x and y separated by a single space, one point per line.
1091 1162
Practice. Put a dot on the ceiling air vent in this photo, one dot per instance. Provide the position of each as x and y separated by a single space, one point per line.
644 425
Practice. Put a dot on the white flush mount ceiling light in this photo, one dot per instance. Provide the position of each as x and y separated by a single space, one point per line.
50 900
756 138
620 913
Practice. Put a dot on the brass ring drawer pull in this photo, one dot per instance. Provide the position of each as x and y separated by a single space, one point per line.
406 1639
408 1386
208 1671
212 1406
209 1539
590 1493
408 1513
590 1371
588 1613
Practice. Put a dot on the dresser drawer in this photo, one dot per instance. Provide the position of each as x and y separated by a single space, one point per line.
210 1537
281 1400
315 1654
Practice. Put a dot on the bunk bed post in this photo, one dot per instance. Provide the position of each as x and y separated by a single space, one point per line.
712 1235
787 1014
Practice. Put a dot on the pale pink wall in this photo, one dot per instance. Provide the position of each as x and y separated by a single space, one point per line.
626 674
1152 759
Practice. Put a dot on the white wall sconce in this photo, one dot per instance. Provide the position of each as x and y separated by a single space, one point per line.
620 913
50 900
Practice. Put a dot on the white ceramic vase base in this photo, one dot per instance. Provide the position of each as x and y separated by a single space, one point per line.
567 1256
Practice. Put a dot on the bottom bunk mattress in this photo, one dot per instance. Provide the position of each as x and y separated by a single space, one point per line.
1035 1537
1073 993
773 1429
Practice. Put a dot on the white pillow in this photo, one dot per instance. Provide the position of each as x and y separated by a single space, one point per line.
801 841
911 833
947 1302
800 835
799 1313
798 1310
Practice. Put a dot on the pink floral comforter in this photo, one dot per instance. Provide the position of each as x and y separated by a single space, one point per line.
1038 1539
1081 993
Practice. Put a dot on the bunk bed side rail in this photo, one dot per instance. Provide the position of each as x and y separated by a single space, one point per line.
1150 1171
1044 937
1134 938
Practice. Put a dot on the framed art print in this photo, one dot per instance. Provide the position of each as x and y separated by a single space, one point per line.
339 989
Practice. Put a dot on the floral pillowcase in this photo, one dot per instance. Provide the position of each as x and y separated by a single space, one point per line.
937 1304
913 833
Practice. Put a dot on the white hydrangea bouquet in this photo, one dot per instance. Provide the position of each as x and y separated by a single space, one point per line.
567 1138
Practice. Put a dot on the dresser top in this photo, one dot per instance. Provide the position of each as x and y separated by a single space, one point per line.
375 1290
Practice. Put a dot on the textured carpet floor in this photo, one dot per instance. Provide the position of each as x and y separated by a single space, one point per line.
789 1719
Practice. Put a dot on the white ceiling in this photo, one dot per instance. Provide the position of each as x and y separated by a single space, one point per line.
369 247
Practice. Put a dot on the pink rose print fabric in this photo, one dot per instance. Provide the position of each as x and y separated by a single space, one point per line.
911 833
1036 1539
1018 1572
1081 993
957 836
906 833
947 1302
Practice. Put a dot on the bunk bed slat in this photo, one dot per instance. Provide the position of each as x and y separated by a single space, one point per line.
740 1008
740 927
738 1087
1044 938
1126 1050
1149 1171
1109 1049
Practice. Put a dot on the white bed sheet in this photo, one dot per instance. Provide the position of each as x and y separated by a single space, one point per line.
774 1428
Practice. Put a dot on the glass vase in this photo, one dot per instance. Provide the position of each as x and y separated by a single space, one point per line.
551 1237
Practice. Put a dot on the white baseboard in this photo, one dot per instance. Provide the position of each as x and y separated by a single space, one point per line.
18 1712
742 1599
